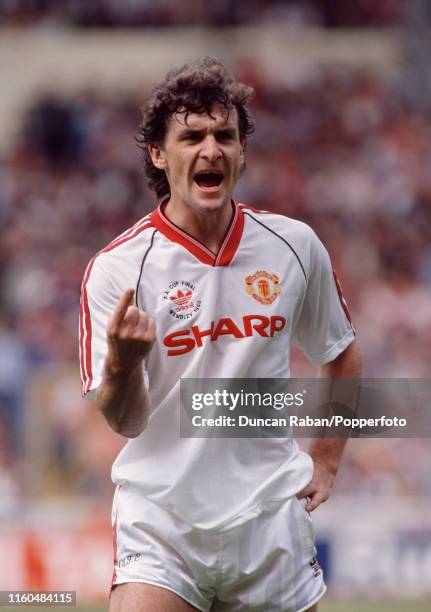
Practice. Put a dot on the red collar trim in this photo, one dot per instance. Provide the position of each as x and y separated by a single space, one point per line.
175 234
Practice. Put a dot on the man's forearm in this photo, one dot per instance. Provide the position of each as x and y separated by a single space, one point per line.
124 402
328 451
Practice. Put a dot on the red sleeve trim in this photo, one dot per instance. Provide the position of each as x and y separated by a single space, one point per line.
343 301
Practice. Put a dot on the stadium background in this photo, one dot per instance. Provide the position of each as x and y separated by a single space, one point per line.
343 142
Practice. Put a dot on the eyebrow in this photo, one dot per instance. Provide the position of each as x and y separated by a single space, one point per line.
189 131
226 130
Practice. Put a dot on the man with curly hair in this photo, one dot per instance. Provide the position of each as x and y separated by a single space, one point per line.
209 523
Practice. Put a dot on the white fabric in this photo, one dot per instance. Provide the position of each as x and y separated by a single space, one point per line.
208 482
264 564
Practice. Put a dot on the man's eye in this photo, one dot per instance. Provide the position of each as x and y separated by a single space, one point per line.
192 137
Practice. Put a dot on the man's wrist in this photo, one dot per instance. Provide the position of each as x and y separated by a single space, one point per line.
114 375
330 467
328 453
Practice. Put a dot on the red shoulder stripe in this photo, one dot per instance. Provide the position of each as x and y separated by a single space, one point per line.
85 331
343 301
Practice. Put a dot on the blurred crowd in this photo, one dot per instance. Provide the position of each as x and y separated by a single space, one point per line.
145 13
344 152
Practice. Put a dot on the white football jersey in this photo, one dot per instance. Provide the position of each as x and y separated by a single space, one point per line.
230 315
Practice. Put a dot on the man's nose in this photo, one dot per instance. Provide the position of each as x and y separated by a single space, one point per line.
210 149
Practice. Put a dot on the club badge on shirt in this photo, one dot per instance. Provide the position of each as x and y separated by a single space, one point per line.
263 286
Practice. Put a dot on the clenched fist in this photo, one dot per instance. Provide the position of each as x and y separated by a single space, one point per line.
130 334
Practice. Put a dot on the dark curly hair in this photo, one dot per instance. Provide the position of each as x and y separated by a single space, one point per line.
194 88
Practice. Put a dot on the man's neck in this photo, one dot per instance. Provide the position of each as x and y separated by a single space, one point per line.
209 228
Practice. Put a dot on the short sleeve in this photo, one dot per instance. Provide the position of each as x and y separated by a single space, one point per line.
99 296
100 293
323 329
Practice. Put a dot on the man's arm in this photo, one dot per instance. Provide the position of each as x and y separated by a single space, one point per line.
122 396
326 452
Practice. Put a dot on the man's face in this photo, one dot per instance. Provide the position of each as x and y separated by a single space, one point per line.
202 158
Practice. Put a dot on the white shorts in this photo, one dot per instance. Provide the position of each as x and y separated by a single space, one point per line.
264 564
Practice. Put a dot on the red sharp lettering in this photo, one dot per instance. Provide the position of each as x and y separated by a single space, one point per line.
199 334
226 326
185 340
177 339
277 324
259 327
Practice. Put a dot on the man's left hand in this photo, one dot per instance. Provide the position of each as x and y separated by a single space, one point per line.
318 489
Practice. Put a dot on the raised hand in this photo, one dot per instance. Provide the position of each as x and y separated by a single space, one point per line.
130 334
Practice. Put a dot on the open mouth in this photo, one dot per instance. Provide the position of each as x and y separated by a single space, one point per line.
208 179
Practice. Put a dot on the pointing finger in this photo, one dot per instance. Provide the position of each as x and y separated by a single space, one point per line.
124 302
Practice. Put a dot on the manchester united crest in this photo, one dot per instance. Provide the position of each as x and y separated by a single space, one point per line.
263 286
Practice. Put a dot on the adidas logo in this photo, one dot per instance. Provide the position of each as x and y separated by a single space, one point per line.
181 298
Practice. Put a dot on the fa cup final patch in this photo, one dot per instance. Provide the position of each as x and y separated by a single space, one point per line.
181 300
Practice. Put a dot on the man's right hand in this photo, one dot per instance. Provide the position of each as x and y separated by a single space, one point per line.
130 334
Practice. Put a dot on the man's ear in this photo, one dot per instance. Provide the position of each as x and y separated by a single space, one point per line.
242 154
157 156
